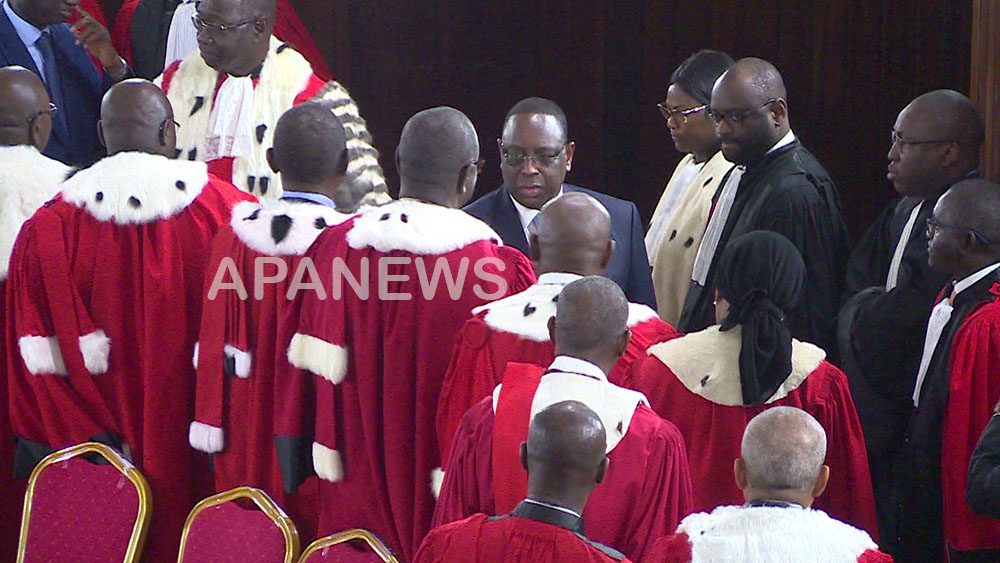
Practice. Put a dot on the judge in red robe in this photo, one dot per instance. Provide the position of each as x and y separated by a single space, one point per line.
646 490
104 295
711 383
244 415
564 459
397 282
27 180
571 238
781 472
957 385
229 94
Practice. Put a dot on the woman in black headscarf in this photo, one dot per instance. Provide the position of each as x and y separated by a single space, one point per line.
711 383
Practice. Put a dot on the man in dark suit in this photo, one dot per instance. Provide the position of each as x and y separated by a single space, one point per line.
535 155
33 35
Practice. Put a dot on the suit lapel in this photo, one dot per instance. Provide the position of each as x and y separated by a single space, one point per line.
13 49
508 222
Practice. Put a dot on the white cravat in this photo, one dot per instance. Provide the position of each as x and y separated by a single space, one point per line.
897 256
717 224
939 319
182 39
230 127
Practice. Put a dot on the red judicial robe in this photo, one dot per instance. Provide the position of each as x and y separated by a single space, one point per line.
105 292
693 381
286 79
240 405
27 180
647 488
765 534
515 329
380 357
532 532
956 400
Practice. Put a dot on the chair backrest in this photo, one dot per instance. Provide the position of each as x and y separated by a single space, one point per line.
76 510
350 546
220 530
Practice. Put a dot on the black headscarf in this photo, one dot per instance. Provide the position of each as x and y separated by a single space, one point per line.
761 275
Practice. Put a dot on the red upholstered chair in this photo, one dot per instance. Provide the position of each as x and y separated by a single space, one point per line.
79 511
350 546
220 530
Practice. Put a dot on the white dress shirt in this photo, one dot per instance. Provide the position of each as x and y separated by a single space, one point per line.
527 214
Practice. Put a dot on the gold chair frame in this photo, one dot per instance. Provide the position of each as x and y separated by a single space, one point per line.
141 526
263 502
373 542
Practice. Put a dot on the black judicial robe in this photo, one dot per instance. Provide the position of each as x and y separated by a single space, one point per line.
983 493
790 193
914 530
881 334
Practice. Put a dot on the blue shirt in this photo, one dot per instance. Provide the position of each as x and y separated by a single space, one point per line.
308 196
29 35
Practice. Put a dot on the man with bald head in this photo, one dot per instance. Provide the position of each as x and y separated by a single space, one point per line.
891 287
536 153
404 278
564 458
570 239
647 488
781 473
956 386
780 187
27 180
121 248
230 93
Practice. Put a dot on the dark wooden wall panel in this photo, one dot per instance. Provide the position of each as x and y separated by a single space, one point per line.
849 65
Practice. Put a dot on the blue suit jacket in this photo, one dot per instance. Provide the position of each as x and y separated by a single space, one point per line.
74 143
629 266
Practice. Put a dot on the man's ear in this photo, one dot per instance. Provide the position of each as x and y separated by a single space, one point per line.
534 251
740 473
608 252
271 161
602 470
100 133
344 161
623 341
951 154
552 329
821 481
779 109
570 151
523 452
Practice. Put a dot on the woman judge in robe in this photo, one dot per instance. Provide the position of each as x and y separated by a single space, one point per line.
711 383
679 221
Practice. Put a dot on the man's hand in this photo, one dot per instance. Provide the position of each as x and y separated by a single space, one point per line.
96 39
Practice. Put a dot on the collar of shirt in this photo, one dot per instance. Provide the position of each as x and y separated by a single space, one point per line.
557 278
970 281
310 197
526 214
28 33
568 364
552 506
788 139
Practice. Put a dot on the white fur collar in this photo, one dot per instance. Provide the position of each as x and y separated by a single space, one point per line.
417 227
707 363
613 404
766 534
284 75
27 180
134 188
527 314
257 225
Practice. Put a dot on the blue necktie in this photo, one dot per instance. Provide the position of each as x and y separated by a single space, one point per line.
51 73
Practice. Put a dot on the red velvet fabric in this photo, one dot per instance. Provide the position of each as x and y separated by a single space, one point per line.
228 533
81 512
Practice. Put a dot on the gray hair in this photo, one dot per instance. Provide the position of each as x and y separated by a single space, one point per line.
783 449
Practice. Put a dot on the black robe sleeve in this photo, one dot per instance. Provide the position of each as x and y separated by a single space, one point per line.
983 490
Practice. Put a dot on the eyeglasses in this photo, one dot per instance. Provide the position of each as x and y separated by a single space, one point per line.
683 114
203 25
479 164
736 117
163 125
934 226
517 158
897 139
50 111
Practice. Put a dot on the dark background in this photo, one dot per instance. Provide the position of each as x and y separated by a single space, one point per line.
849 65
